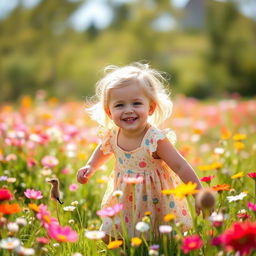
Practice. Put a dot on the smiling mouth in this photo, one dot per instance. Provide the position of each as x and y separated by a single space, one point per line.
130 119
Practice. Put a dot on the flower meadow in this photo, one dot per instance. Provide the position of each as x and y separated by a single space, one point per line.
43 138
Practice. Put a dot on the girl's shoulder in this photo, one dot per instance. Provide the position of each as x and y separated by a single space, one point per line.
155 134
106 137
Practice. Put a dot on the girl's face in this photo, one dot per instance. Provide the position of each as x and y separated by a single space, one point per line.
129 107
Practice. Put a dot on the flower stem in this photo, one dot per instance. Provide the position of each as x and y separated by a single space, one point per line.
114 228
133 209
255 191
165 244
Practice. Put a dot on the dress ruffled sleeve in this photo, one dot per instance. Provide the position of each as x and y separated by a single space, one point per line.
105 136
156 135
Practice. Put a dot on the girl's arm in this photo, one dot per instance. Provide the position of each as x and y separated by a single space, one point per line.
176 162
97 159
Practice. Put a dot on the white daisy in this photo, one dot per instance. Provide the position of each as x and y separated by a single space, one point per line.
9 243
142 226
69 208
94 234
238 197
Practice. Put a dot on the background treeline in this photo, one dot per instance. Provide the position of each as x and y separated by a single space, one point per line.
39 49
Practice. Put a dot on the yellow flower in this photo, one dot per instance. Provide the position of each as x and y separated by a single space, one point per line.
135 241
213 166
114 244
216 165
101 181
185 189
239 136
239 145
237 175
204 168
168 217
82 156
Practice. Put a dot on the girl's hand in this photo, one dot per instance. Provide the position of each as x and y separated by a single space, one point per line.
84 174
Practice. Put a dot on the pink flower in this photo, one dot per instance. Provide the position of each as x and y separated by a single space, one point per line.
133 180
190 243
110 211
73 187
62 234
31 162
65 171
252 175
33 194
49 161
42 240
251 206
45 217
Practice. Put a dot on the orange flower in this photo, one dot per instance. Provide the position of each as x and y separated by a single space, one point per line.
168 217
9 208
114 244
221 187
34 207
225 133
136 241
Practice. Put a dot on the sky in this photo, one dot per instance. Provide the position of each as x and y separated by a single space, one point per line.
100 13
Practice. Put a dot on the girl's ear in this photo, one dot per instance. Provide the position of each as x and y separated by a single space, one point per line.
152 108
108 112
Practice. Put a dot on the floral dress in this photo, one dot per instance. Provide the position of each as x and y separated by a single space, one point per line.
147 194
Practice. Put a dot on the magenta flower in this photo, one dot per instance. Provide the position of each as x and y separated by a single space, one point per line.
33 194
73 187
49 161
45 217
110 211
252 175
62 234
251 206
190 243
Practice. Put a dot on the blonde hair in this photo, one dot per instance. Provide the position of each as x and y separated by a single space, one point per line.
151 81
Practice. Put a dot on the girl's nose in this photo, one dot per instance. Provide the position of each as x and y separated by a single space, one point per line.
128 110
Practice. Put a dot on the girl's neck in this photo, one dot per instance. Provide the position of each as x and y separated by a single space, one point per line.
134 134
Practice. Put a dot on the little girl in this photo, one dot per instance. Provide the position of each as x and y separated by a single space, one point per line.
131 101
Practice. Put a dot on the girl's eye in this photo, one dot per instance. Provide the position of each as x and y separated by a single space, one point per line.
137 103
118 105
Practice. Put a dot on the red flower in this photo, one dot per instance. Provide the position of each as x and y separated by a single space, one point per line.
252 175
241 237
5 194
191 243
207 179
